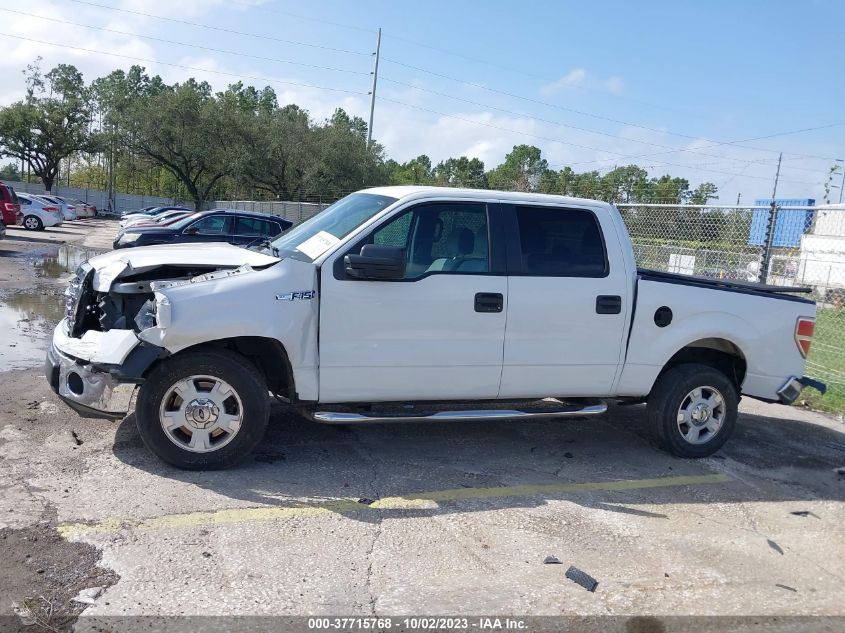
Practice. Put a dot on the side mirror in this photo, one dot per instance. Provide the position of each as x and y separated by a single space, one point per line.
376 263
190 231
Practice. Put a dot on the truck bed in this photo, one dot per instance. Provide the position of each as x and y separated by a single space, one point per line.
747 287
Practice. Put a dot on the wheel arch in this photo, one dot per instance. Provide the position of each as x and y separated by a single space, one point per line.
267 354
717 352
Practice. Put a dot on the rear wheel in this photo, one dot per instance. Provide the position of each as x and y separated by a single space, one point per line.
692 410
33 223
203 410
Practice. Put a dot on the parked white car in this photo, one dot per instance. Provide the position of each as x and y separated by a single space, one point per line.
148 220
38 213
68 210
424 304
83 209
148 215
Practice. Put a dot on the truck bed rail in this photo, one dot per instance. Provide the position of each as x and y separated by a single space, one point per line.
784 292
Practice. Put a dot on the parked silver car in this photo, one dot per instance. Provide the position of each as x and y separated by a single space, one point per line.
68 210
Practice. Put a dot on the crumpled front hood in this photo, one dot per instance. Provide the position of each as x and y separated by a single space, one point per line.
110 266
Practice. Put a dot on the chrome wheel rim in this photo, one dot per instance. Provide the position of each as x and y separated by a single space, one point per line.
201 414
31 223
701 415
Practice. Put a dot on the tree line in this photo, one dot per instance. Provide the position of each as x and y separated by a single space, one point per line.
131 132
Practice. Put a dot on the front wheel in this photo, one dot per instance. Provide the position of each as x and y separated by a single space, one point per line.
203 410
692 410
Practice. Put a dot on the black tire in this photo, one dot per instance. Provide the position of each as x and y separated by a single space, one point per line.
29 225
240 374
670 393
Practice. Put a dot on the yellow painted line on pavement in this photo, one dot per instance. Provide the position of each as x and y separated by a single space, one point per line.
420 500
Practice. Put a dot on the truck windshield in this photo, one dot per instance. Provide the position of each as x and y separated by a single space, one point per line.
338 220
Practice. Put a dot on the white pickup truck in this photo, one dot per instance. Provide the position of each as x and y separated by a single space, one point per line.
419 303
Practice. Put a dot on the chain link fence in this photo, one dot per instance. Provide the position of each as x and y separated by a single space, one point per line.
790 243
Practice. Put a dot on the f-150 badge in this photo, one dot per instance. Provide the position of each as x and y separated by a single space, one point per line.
297 294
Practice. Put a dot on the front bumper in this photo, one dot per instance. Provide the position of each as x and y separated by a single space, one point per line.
91 393
791 389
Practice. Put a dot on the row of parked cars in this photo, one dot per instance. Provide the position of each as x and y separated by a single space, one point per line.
178 225
38 211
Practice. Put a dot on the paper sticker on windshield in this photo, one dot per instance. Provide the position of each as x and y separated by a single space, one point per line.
318 244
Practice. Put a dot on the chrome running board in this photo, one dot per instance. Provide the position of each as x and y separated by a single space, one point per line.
574 411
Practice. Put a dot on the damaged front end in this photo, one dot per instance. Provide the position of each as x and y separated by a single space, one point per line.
115 314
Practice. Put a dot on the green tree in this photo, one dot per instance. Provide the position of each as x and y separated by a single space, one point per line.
9 171
668 190
189 132
522 170
417 171
50 123
704 193
460 172
625 184
340 160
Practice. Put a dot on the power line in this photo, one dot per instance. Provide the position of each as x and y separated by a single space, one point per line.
555 140
671 149
334 69
609 119
573 127
220 29
444 76
193 68
309 18
197 46
735 144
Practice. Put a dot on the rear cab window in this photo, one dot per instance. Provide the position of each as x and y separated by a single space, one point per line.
560 242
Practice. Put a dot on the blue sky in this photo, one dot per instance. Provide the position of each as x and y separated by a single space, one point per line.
667 85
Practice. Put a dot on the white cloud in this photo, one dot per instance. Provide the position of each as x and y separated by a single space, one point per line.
581 79
573 79
614 85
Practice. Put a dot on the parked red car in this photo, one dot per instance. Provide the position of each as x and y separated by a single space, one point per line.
10 207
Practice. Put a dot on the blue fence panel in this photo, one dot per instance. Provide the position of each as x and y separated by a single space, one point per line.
790 225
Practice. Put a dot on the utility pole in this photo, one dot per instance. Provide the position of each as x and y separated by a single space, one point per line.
777 177
842 186
373 91
770 229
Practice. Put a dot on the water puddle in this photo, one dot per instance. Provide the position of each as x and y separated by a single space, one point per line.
59 262
27 318
26 321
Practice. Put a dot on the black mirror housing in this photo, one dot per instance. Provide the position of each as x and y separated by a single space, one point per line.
190 231
376 262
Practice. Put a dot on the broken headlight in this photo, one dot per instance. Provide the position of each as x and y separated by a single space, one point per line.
146 317
73 295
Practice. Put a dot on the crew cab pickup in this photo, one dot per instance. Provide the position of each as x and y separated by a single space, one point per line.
426 304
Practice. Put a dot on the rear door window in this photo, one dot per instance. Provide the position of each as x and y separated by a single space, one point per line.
255 227
560 242
213 225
